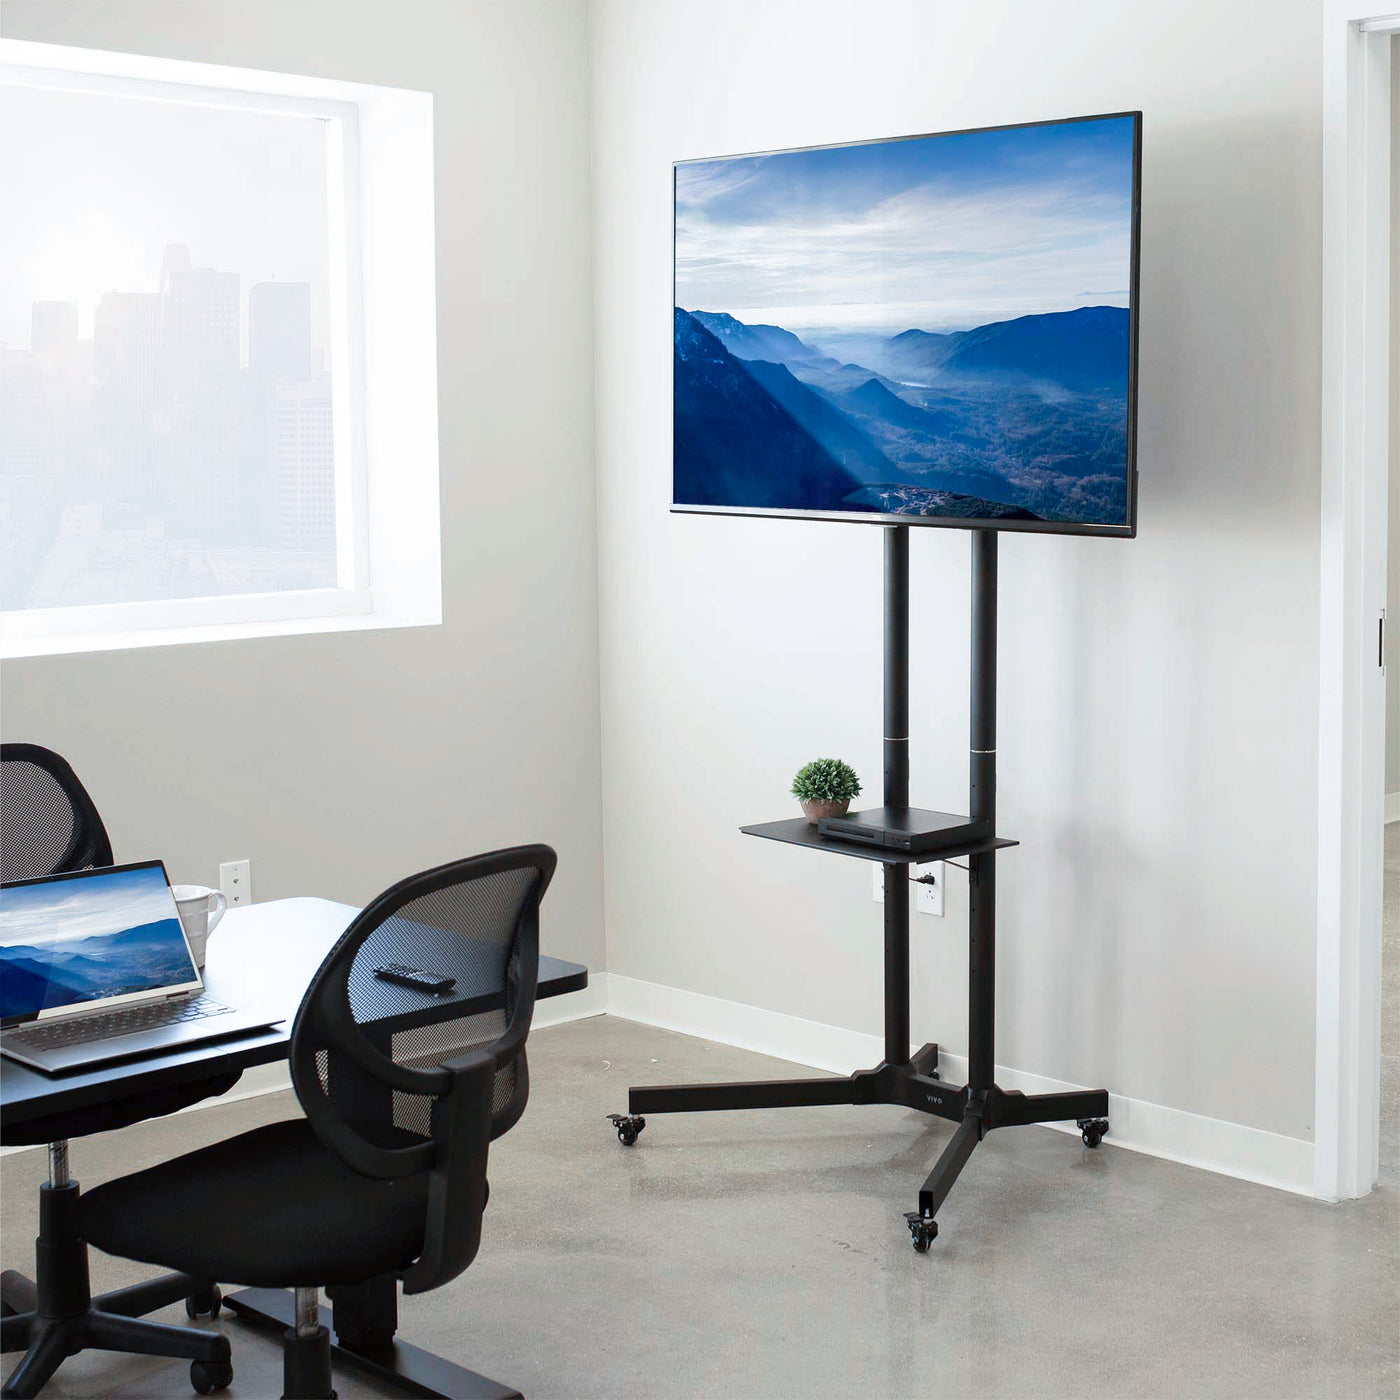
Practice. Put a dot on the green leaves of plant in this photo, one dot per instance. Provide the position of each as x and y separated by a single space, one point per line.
825 780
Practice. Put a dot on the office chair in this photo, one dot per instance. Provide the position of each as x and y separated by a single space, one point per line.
49 826
48 823
385 1176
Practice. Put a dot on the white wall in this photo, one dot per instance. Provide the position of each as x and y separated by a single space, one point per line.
1158 703
1158 696
339 763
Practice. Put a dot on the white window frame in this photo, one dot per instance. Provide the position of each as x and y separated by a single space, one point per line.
383 336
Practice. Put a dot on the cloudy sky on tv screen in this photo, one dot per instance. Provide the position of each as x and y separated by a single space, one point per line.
935 326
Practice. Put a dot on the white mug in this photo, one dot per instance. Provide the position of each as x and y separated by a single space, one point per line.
199 919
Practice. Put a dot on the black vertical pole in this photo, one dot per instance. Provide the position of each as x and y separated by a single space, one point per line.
982 798
897 789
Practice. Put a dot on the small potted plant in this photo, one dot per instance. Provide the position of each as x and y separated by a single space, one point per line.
825 787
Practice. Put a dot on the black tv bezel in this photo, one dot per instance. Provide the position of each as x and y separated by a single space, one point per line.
860 517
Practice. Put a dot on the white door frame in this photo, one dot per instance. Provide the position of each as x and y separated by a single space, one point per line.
1351 731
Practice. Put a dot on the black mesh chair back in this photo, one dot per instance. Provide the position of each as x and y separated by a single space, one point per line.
387 1074
48 823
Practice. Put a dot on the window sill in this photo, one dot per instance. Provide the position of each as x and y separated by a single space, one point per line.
18 642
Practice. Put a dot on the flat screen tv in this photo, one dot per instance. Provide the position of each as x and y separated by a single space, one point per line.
930 330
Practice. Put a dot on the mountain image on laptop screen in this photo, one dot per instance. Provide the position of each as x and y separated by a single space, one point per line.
104 934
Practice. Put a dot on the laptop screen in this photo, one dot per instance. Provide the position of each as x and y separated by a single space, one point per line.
90 938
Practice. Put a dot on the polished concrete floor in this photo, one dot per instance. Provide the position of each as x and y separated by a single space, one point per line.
764 1255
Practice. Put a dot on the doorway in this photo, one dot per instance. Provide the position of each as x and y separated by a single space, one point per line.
1357 115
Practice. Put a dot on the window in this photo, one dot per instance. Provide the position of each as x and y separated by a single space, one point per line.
193 419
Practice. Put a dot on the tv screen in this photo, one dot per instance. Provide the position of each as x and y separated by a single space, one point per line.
933 330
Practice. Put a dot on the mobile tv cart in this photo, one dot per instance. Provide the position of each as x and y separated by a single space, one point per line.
912 1081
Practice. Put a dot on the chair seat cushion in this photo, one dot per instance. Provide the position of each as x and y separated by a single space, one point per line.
273 1208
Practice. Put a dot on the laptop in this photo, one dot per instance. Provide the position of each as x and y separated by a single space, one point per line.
95 966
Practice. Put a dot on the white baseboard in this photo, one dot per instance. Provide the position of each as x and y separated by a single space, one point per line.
573 1006
1190 1138
1392 807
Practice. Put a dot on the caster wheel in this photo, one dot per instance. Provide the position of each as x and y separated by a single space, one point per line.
209 1376
923 1231
1092 1130
208 1304
628 1127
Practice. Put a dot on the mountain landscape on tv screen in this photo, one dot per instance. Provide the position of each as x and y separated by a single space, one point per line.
1024 419
92 967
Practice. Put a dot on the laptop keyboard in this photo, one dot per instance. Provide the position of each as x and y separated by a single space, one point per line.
83 1030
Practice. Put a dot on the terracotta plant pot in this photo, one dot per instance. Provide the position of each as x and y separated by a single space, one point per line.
817 810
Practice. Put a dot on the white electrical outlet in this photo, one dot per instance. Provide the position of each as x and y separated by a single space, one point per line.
878 871
929 884
236 881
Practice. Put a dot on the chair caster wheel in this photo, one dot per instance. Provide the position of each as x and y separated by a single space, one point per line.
209 1303
208 1376
923 1230
628 1127
1092 1130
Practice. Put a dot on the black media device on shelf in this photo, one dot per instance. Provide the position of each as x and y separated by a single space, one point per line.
912 829
934 330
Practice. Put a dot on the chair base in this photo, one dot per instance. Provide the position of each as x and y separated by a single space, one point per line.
306 1365
415 1370
54 1316
48 1341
